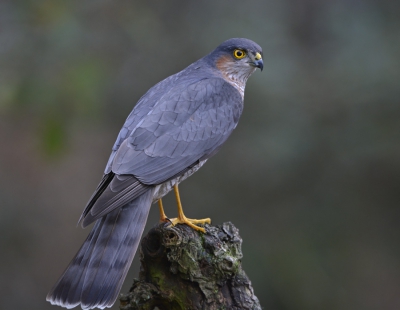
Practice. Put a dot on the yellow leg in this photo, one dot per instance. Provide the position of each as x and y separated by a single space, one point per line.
182 219
163 217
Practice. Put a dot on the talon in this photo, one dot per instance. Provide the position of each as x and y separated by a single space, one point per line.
182 219
202 221
190 223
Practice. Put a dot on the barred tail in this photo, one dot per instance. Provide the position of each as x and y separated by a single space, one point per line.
95 276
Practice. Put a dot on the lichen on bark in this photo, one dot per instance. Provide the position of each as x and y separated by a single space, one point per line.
184 269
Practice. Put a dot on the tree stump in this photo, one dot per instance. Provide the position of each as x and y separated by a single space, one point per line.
184 269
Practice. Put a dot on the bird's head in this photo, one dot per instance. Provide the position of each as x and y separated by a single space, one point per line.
237 58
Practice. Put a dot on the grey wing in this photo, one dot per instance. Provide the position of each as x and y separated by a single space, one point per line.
183 127
166 137
116 190
143 107
113 191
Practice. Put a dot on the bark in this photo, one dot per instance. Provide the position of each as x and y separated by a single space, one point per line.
185 269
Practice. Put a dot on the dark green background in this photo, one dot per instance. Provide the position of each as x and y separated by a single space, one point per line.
311 176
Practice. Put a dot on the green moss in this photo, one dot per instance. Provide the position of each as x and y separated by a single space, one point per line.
183 269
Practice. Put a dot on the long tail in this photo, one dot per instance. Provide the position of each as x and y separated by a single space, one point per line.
95 276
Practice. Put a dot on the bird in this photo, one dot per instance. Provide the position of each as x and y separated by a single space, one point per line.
174 128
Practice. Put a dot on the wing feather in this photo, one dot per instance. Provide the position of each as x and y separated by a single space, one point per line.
113 192
180 130
167 133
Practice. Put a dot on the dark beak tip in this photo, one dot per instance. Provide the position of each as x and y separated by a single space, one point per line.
260 64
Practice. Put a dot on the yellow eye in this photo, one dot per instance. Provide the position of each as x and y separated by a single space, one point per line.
239 54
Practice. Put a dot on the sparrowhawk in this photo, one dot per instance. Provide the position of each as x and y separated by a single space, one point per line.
172 131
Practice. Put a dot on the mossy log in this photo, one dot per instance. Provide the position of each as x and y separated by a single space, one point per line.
185 269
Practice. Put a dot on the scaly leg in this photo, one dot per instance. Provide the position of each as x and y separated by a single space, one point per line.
163 217
182 219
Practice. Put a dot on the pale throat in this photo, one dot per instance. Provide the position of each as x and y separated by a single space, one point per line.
235 73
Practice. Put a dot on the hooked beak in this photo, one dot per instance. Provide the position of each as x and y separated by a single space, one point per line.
258 62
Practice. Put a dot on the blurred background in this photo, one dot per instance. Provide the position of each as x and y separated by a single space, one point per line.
311 176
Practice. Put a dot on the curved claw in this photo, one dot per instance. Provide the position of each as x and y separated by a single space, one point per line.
190 222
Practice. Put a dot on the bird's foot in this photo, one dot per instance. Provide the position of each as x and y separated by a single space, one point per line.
190 222
164 219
